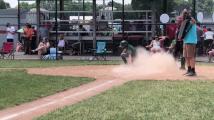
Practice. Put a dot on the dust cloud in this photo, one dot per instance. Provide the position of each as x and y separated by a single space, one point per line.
147 64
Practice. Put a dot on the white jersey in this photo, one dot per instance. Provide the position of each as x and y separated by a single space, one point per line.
61 43
208 35
156 44
10 32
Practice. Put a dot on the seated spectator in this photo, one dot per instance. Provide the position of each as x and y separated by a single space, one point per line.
81 28
19 46
42 47
155 45
61 43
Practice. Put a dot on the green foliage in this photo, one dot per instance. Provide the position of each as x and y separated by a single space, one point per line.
202 5
27 6
205 6
4 5
145 100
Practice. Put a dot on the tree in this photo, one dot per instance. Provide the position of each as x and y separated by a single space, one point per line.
202 5
27 6
205 6
4 5
157 5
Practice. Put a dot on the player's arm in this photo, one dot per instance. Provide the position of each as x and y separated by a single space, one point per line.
124 50
150 45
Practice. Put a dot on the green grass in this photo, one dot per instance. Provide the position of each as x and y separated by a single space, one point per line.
145 100
205 64
38 63
18 87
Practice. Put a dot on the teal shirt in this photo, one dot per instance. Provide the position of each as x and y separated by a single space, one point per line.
191 36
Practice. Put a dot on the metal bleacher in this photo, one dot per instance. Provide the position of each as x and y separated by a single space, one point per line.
135 30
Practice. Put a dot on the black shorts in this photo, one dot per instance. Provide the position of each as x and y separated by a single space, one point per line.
9 40
178 48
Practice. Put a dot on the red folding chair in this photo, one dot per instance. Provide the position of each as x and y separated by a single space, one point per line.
7 50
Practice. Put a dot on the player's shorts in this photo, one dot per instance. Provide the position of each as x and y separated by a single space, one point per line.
189 50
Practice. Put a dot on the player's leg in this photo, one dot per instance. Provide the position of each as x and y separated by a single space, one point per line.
124 55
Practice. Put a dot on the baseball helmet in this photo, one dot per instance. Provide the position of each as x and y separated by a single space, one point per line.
123 44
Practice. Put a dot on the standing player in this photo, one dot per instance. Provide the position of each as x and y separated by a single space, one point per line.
128 51
10 32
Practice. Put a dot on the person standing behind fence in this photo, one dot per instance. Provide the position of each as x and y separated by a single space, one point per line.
10 32
208 39
34 36
61 43
190 40
28 33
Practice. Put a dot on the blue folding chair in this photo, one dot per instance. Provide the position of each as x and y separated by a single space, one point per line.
52 55
100 53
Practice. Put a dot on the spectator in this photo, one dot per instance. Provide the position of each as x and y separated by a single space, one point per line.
200 40
211 54
171 30
61 43
190 41
19 47
42 48
205 29
155 45
10 32
28 34
33 44
208 39
81 28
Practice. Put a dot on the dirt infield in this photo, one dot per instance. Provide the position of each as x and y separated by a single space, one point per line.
110 72
107 77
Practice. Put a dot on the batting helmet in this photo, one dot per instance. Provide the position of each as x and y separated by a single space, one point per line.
123 44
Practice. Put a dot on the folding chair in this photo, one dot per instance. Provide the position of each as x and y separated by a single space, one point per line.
7 50
100 53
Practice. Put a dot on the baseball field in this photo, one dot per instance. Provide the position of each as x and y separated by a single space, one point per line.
150 88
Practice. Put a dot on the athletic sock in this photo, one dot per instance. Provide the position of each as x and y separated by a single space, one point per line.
193 70
189 69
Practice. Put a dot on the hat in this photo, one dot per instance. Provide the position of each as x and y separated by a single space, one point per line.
123 44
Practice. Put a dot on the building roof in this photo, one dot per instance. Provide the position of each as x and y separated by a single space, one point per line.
11 11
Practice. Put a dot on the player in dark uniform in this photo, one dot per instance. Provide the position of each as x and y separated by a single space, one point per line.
128 51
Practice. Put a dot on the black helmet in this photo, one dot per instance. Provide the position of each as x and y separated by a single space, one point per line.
123 44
